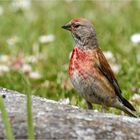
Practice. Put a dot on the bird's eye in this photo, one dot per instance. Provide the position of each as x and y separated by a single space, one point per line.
75 25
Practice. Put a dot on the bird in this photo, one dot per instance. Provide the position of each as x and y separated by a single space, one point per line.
89 71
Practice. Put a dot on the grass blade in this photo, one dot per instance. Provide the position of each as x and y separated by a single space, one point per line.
30 118
8 130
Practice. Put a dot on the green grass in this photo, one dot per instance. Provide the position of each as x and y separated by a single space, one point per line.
4 115
115 22
30 119
8 131
29 112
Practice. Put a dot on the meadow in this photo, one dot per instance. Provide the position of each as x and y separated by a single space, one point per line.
35 50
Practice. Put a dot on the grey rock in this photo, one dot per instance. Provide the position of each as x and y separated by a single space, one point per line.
53 120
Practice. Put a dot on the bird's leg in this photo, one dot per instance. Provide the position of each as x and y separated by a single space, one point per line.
89 105
104 108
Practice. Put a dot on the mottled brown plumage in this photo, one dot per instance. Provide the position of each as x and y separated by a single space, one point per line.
90 72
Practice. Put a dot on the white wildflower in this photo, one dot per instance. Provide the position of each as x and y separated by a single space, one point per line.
4 68
108 55
21 4
136 98
46 38
35 75
115 68
4 58
1 10
135 38
26 68
12 41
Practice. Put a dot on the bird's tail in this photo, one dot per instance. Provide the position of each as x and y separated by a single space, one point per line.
127 108
127 104
129 112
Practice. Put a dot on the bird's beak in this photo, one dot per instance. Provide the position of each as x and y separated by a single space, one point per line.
67 26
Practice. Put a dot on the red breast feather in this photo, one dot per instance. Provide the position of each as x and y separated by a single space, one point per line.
81 61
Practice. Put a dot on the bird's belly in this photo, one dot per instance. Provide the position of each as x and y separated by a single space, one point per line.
91 88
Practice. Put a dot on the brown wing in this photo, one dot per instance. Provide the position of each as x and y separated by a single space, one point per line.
106 70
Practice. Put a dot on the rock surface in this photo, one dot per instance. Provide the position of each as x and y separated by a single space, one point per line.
53 120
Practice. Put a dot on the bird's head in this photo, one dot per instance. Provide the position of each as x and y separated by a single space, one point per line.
82 30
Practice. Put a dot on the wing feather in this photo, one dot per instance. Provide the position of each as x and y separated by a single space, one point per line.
106 70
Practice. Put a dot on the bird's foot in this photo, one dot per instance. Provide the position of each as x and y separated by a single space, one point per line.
89 105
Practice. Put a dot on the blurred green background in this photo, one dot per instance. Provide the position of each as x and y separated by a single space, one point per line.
34 49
